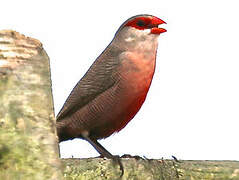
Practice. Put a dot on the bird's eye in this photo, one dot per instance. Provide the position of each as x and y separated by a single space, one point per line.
140 23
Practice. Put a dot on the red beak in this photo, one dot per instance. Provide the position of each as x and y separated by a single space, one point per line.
156 30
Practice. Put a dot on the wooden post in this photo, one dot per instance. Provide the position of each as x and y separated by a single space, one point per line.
28 142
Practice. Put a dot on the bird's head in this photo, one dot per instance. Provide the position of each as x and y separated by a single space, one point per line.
139 32
146 22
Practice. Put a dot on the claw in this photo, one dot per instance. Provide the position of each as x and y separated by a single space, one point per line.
117 160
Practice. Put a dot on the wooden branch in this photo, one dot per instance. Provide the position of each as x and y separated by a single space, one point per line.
97 168
28 143
209 170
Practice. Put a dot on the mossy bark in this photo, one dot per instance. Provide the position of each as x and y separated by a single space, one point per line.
97 169
28 142
135 169
209 170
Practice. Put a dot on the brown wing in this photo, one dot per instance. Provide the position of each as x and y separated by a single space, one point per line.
97 79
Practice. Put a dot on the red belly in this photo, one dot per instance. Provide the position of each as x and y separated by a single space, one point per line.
118 118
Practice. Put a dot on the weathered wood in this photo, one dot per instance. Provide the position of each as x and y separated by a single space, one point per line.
209 170
97 168
28 143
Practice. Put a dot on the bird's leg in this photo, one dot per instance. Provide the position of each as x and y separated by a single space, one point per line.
100 149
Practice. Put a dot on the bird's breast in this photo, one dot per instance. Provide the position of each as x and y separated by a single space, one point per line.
136 72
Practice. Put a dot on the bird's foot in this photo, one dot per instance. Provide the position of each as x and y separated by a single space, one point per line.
100 156
130 156
176 160
117 160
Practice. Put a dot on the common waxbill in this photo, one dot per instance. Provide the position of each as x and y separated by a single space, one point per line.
114 88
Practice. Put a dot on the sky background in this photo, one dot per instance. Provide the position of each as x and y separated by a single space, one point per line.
192 108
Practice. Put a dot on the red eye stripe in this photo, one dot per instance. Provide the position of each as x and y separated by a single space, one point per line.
140 23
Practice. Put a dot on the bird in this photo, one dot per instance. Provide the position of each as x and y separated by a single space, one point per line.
115 86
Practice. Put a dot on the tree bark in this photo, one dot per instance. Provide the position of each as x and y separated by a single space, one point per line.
97 168
135 169
28 142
